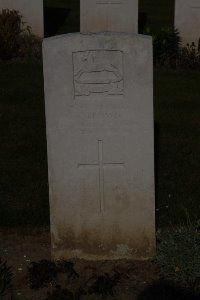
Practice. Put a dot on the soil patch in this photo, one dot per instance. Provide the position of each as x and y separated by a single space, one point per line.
119 279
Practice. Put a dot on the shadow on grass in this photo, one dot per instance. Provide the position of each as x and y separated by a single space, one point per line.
54 18
164 290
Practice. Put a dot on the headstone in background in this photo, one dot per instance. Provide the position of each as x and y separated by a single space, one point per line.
187 20
99 113
31 10
109 15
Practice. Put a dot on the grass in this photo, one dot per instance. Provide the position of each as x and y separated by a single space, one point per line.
23 162
178 255
177 117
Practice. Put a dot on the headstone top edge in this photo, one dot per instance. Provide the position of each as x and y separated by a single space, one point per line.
98 34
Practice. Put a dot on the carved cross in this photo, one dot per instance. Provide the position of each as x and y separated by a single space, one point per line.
101 165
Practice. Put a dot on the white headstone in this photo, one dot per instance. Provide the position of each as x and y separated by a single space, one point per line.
109 15
31 10
187 20
99 113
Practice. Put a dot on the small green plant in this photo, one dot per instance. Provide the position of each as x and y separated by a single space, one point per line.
178 255
190 56
166 46
6 277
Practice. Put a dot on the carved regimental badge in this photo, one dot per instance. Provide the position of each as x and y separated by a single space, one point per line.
98 72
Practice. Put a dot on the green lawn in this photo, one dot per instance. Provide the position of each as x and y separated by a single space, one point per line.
177 107
23 163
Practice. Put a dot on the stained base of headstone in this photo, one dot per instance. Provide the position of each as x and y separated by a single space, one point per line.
88 248
99 113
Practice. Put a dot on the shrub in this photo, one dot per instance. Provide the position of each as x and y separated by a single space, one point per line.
166 46
178 255
5 278
10 29
30 47
190 56
16 40
168 51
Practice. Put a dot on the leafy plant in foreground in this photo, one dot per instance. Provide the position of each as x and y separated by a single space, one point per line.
6 277
60 294
103 285
41 273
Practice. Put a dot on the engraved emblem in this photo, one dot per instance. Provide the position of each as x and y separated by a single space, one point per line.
98 71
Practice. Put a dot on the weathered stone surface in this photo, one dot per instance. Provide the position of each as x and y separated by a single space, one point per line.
99 113
109 15
187 20
31 10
